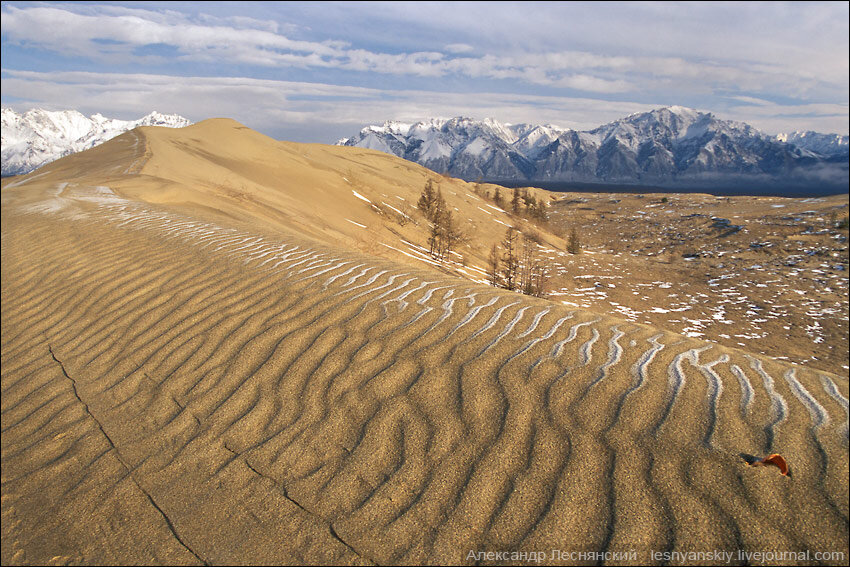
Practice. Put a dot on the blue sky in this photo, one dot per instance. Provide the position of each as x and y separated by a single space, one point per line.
318 71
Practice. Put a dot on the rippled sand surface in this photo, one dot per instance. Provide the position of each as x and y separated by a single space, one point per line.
177 389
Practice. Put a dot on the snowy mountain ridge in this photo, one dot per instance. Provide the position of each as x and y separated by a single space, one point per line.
666 146
823 144
38 136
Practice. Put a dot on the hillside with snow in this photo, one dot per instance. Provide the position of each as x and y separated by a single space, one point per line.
36 137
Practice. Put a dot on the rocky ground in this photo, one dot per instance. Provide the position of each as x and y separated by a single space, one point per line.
767 274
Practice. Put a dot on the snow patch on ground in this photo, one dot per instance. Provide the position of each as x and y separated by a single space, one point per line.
361 197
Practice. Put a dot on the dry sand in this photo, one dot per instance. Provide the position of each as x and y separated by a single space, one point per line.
184 383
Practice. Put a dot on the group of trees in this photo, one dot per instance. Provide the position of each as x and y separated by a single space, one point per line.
515 265
522 202
444 233
525 203
518 267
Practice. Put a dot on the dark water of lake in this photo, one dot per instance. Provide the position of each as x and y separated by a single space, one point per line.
742 190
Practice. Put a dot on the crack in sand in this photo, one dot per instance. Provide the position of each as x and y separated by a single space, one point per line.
285 494
97 422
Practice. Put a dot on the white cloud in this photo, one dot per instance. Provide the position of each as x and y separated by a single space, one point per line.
795 37
242 40
317 112
459 48
273 106
81 34
723 57
594 84
775 118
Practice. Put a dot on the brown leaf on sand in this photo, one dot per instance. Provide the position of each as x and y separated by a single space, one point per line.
774 459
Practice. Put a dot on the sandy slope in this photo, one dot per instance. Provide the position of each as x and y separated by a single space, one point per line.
329 193
188 384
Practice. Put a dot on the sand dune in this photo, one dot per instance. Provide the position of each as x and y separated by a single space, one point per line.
180 387
339 195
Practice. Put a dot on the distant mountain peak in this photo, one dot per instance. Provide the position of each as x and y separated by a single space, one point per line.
821 144
684 111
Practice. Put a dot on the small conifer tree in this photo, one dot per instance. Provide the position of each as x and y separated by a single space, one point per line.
497 198
573 244
493 261
510 259
427 200
515 202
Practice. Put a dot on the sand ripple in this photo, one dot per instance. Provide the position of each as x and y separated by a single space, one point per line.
179 391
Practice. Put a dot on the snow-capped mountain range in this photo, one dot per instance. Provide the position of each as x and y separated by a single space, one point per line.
36 137
673 145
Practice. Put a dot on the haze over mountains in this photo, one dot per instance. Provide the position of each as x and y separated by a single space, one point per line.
36 137
673 146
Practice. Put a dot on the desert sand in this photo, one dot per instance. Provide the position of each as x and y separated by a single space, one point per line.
212 352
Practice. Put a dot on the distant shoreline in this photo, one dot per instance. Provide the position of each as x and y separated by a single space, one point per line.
748 191
584 187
